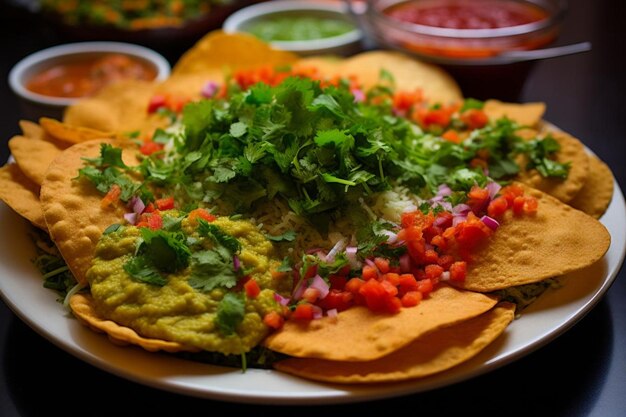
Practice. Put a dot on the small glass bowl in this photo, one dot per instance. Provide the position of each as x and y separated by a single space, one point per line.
464 46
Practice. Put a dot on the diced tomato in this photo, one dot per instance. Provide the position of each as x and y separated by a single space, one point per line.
416 218
416 250
311 295
430 257
452 136
497 207
471 232
369 272
155 221
165 203
273 320
252 288
156 102
407 282
458 271
518 205
149 147
149 208
354 285
477 198
510 192
340 300
389 288
425 286
303 311
411 299
337 282
433 271
393 305
393 278
445 261
111 197
201 213
474 118
382 264
375 295
531 205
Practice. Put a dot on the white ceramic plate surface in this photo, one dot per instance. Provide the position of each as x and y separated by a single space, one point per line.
554 312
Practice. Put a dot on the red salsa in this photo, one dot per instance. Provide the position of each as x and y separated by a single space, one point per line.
474 14
85 77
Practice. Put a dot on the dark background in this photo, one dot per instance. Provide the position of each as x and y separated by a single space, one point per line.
582 373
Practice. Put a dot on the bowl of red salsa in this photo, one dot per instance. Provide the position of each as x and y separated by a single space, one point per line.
51 79
470 38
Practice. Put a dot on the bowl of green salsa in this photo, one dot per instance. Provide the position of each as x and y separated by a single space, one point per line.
303 27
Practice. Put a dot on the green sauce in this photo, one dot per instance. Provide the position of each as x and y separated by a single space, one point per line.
298 28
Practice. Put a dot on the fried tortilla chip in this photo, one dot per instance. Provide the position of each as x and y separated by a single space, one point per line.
121 108
69 133
409 74
32 130
572 151
362 335
21 194
529 248
72 208
33 156
595 196
526 114
221 51
431 353
84 310
189 86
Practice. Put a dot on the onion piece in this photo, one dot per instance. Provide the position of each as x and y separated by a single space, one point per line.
490 222
444 190
493 188
351 256
319 284
131 218
137 205
283 301
317 312
236 263
209 89
332 314
330 257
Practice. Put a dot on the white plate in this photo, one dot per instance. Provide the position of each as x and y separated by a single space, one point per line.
555 312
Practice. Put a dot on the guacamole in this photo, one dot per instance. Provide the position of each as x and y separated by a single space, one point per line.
184 283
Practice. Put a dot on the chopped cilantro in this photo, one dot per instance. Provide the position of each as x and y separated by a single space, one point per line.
165 250
212 269
288 236
219 236
230 313
142 269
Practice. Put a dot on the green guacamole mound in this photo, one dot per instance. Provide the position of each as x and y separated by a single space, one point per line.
200 303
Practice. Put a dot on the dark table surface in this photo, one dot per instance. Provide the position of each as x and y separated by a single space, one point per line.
581 373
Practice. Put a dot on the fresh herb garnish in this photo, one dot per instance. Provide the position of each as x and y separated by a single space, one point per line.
230 313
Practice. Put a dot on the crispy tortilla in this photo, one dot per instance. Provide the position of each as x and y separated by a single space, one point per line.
69 133
121 108
33 156
21 194
72 208
409 74
225 52
362 335
572 151
82 306
595 196
529 248
429 354
526 114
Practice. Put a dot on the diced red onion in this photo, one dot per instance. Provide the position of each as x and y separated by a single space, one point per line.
330 257
461 209
391 236
136 205
320 254
351 256
317 312
319 284
359 95
283 301
209 89
459 218
405 263
493 188
131 218
440 221
332 313
490 222
444 190
445 276
236 263
371 263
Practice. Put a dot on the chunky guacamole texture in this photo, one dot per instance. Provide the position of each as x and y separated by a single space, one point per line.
184 305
